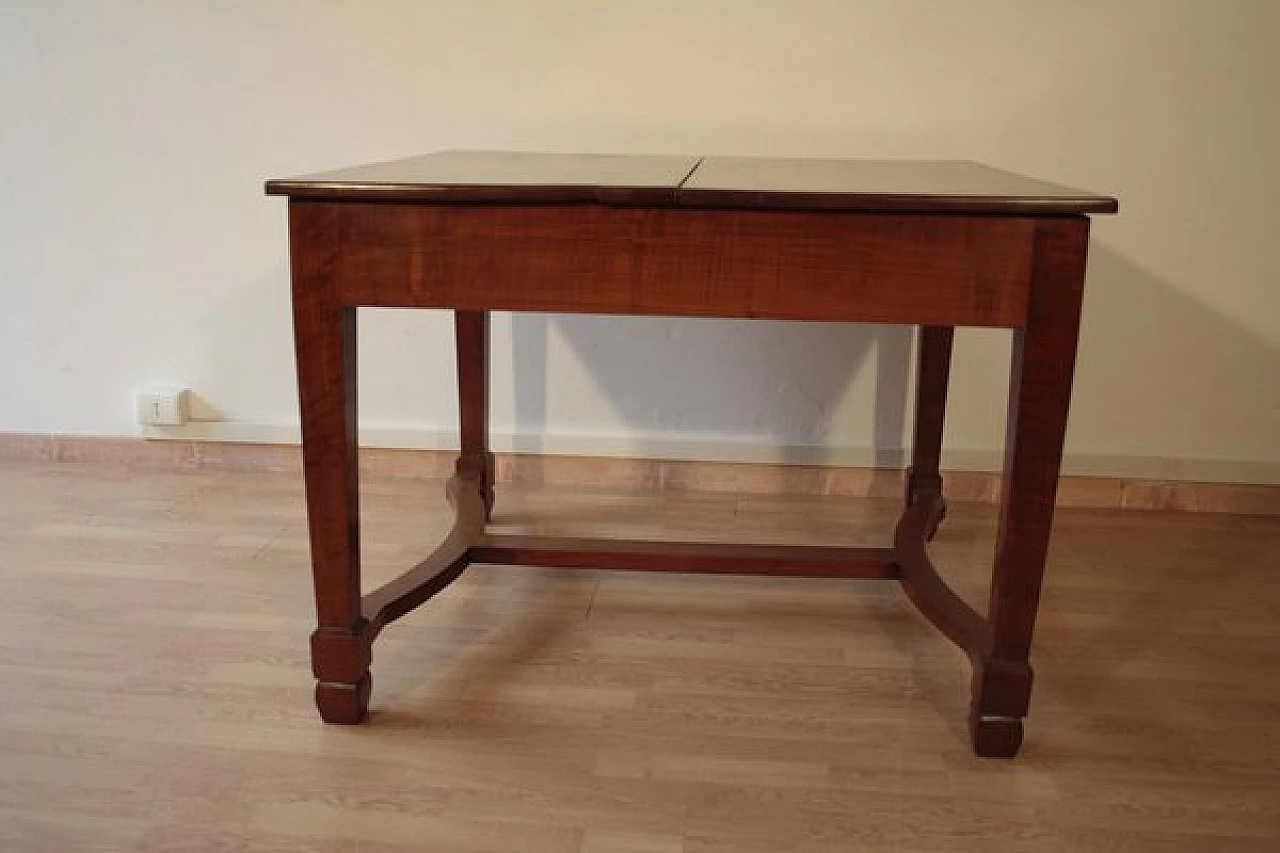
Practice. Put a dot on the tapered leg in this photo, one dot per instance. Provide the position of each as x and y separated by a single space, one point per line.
933 371
475 461
325 338
1040 391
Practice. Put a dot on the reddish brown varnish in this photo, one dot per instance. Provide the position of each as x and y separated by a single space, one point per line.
937 245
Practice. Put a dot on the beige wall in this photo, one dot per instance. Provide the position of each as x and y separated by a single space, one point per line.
135 244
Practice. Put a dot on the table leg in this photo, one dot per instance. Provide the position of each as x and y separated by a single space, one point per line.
475 461
325 338
1040 390
932 373
340 647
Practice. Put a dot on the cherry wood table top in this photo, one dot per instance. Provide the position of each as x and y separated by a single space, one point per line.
903 186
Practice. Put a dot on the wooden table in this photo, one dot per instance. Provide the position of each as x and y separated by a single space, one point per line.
931 244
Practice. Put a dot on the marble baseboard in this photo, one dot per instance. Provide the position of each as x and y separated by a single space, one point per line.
642 475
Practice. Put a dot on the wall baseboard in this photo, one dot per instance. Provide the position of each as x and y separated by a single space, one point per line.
731 449
645 473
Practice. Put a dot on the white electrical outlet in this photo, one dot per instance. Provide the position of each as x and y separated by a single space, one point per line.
162 405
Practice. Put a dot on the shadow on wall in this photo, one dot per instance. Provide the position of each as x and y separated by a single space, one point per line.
762 380
1161 373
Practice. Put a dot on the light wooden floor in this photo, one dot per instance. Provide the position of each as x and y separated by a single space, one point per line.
155 692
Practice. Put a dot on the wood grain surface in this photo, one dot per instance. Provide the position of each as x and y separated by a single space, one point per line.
698 263
879 186
156 695
500 176
919 186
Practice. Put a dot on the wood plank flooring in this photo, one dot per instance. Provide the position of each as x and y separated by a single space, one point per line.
155 692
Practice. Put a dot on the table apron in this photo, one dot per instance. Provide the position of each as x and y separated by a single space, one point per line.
783 265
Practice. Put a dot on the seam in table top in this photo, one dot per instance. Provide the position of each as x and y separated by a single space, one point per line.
689 174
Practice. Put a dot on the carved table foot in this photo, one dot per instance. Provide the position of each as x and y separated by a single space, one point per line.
345 704
340 661
995 737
